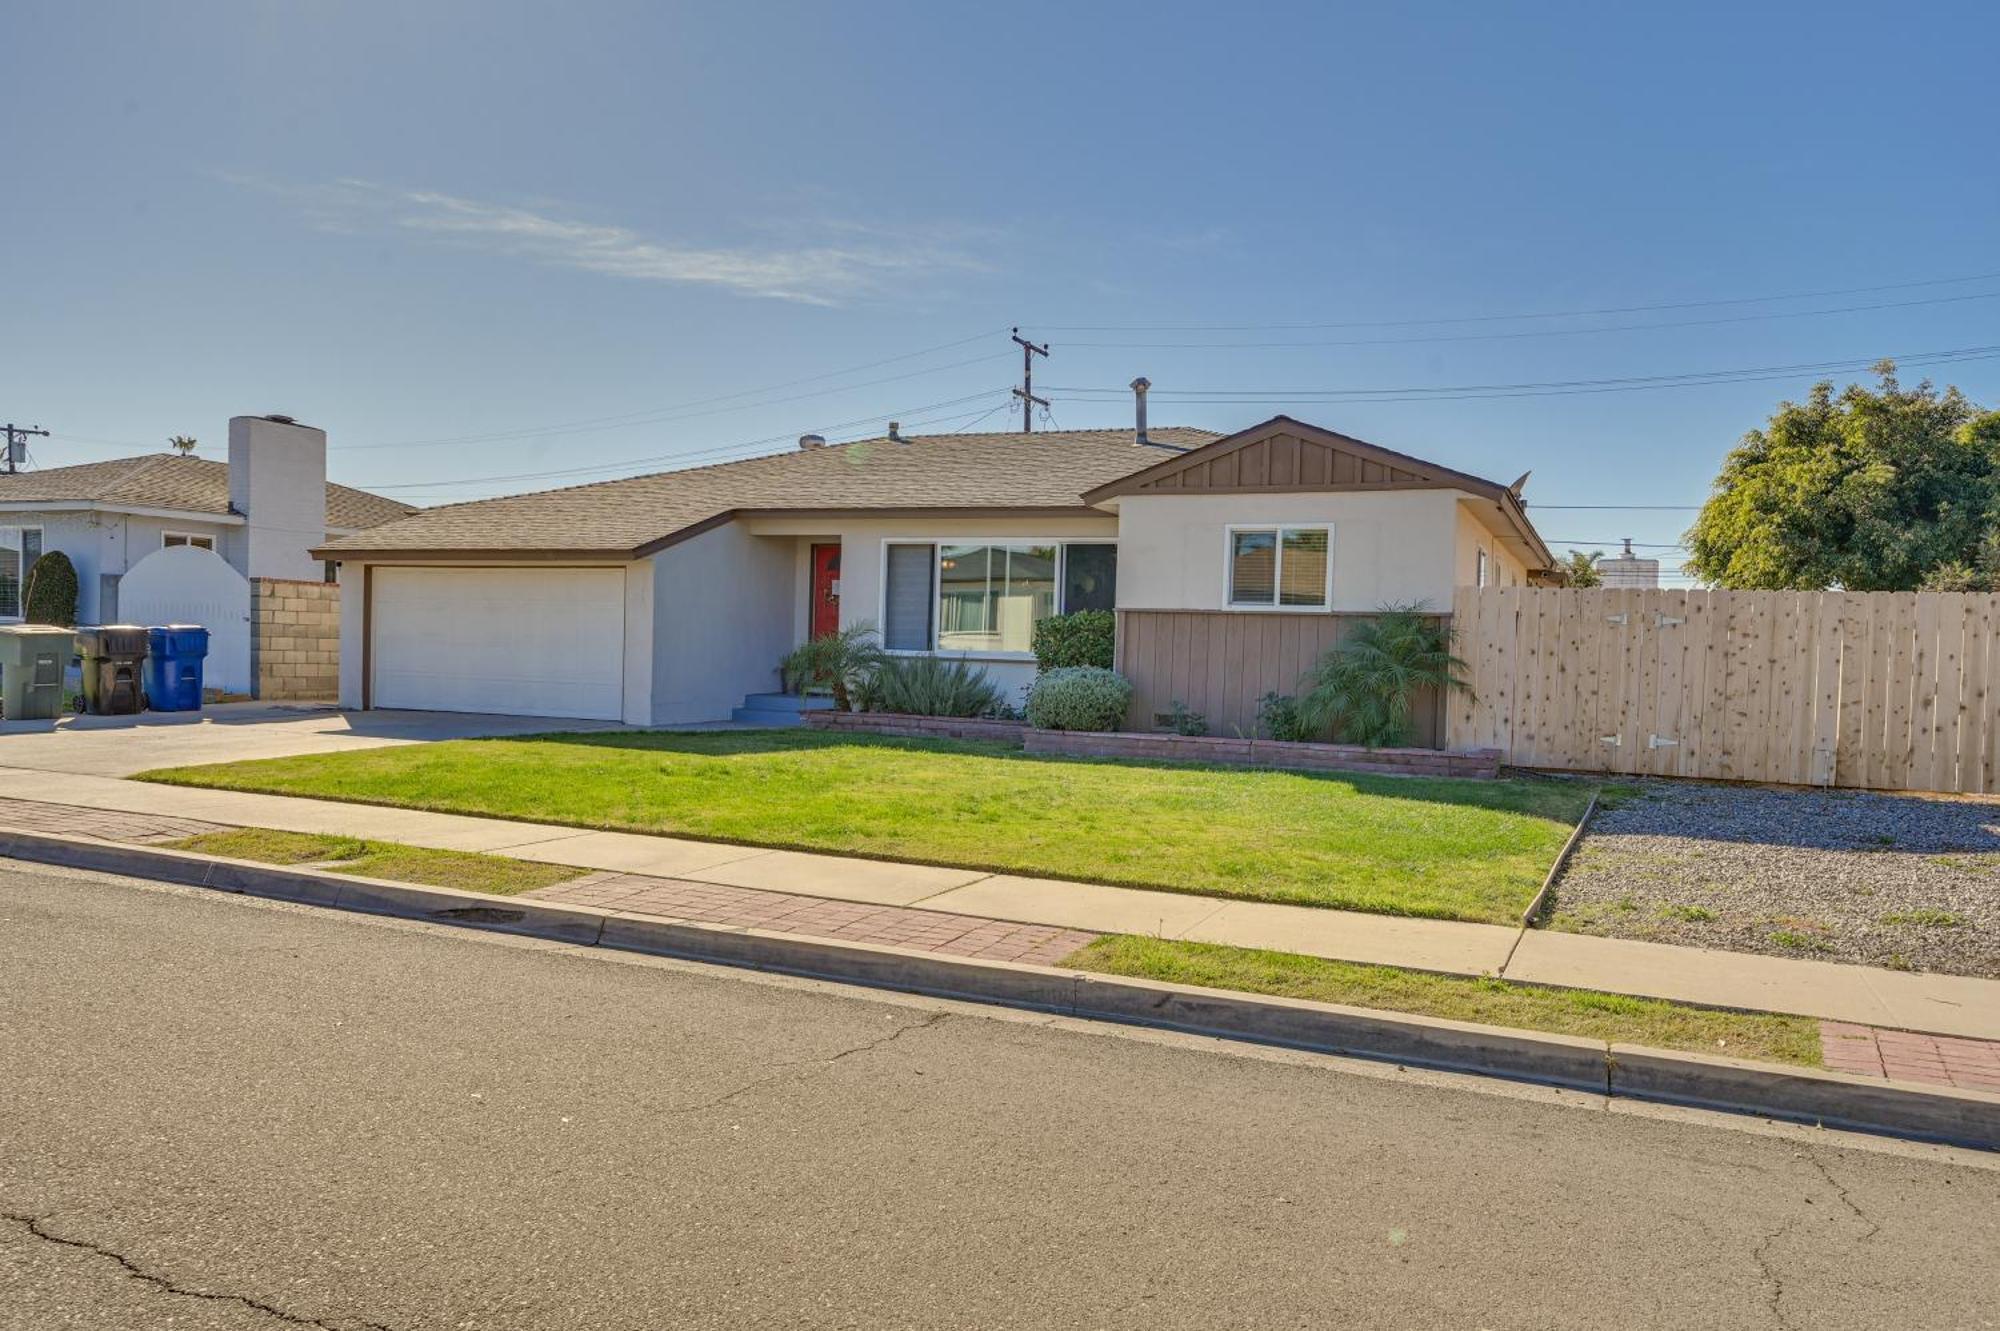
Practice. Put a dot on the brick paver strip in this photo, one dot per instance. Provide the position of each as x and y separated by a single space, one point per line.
1943 1060
781 912
674 898
105 825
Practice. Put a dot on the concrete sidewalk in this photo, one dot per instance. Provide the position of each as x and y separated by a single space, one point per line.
1947 1005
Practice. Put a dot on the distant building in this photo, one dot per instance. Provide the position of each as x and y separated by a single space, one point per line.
1628 570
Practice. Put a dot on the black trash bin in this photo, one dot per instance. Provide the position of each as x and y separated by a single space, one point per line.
114 656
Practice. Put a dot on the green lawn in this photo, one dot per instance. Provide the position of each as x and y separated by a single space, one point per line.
1596 1016
382 859
1472 850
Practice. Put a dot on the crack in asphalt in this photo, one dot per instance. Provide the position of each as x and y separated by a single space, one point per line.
1771 1277
37 1226
934 1019
1840 1191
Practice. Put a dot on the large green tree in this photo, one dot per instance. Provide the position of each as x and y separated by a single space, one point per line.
1872 489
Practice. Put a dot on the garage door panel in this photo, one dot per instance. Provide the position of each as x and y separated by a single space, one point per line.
531 642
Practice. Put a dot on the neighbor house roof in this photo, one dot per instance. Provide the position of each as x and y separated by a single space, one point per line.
970 473
171 481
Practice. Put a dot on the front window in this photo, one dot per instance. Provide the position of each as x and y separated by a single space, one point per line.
20 547
174 538
985 597
1279 568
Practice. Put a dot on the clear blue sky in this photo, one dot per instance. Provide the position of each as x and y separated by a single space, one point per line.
449 219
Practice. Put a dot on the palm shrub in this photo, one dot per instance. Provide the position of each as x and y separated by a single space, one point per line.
842 663
930 686
1364 689
1081 638
50 596
1079 698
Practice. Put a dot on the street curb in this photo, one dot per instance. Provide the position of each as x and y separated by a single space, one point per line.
1810 1095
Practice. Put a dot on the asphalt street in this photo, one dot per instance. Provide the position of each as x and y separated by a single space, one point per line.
221 1114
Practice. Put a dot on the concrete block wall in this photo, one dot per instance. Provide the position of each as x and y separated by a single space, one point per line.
295 638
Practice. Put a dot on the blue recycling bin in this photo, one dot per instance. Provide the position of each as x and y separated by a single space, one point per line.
174 653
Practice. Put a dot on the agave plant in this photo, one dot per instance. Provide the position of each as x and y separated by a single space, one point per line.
1363 690
840 662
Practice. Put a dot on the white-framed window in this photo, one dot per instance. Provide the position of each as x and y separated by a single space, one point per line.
1279 567
20 547
173 538
977 596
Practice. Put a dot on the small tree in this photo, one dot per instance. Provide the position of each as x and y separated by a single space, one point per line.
840 662
1363 690
1580 569
50 595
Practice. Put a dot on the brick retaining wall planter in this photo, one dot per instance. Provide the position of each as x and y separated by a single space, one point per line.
1481 764
918 727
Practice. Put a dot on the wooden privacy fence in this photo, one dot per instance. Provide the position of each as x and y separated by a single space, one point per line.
1883 690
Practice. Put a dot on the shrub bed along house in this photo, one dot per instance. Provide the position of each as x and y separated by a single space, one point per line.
1294 755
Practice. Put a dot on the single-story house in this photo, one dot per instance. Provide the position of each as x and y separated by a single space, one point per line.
172 536
666 599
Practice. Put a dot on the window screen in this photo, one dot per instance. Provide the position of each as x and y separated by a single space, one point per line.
907 602
1090 578
1253 567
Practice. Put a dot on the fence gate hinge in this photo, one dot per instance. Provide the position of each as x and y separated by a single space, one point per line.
1615 741
1619 618
1663 620
1660 742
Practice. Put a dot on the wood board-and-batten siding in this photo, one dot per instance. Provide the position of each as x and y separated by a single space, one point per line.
1282 462
1221 662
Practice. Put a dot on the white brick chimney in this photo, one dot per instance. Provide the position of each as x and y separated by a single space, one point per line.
277 482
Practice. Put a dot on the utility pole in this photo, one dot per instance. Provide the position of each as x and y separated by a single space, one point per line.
1026 392
17 444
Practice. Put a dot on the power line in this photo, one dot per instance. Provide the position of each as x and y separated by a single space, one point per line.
564 426
1547 332
1510 318
684 456
1914 358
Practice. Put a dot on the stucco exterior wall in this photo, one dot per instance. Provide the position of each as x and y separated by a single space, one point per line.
862 556
722 620
1388 546
1472 536
351 579
101 544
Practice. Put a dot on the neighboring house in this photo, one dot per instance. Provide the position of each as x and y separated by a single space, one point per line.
259 515
666 599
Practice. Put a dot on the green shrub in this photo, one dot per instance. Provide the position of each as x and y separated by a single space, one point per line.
1278 718
1079 698
50 597
1364 689
1086 638
929 686
841 663
1185 720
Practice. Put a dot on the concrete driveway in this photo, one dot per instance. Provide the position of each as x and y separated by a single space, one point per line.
227 732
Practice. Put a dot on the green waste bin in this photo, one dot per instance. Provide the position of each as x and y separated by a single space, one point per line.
33 658
113 656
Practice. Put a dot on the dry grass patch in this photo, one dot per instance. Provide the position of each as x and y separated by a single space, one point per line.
382 859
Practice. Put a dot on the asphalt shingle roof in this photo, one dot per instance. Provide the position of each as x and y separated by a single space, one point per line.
169 480
1045 470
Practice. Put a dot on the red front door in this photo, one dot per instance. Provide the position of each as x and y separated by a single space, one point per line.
825 607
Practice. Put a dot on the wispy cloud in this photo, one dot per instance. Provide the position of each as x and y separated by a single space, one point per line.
853 260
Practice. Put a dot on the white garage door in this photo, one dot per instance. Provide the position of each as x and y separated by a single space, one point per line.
521 641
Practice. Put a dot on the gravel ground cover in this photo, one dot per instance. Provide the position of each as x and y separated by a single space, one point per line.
1884 880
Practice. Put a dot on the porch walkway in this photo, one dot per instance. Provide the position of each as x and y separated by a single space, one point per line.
1939 1004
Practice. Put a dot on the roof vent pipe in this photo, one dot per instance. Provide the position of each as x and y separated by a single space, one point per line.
895 437
1139 387
808 441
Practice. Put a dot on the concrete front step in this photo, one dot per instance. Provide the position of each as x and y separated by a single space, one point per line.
778 709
